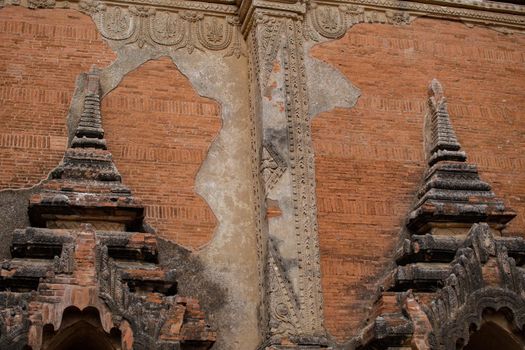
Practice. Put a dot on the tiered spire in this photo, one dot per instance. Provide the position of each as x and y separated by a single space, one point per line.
452 191
89 132
88 247
441 265
88 157
444 144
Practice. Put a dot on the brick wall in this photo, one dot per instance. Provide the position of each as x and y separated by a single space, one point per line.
159 131
41 54
370 159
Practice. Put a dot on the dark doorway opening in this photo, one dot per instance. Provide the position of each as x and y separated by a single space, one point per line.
496 333
80 330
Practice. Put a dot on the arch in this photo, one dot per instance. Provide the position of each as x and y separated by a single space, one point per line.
497 331
80 330
479 310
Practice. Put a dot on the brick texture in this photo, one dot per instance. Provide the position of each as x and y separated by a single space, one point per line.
370 159
41 54
159 131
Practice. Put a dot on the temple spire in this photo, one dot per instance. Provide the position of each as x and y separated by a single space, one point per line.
444 145
88 158
89 132
452 191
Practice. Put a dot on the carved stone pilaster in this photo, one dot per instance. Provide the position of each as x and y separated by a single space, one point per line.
293 300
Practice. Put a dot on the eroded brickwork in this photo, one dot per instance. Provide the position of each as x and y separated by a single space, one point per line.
41 54
370 159
159 131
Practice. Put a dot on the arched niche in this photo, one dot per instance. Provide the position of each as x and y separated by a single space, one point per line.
496 332
80 330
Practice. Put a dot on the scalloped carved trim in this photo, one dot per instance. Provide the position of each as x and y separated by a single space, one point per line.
145 25
467 291
192 26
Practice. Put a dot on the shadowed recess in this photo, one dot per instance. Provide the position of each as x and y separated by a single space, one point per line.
80 330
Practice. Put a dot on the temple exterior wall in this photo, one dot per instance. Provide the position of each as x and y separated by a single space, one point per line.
283 154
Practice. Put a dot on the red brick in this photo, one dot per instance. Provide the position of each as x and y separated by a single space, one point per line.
41 54
370 159
159 131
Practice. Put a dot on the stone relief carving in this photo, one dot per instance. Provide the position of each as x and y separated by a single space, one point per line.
272 28
272 167
66 262
284 308
294 314
332 21
467 293
146 25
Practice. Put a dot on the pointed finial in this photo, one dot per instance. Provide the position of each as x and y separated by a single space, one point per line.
444 144
89 132
435 94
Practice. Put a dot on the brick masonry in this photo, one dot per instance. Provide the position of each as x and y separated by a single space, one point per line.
159 131
370 159
41 54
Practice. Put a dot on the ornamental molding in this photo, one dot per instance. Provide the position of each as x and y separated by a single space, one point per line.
150 26
468 289
328 19
193 26
332 22
219 7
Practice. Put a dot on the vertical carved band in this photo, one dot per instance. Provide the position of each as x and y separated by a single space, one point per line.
293 309
303 180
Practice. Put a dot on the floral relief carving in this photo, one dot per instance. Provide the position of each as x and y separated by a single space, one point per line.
332 22
148 25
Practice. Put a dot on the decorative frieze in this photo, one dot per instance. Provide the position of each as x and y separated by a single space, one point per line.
331 19
153 27
175 25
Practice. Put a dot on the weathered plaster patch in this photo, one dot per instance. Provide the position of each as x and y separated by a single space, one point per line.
225 182
228 263
328 88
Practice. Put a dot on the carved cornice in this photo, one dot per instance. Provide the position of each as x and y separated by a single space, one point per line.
330 19
219 7
224 7
253 10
